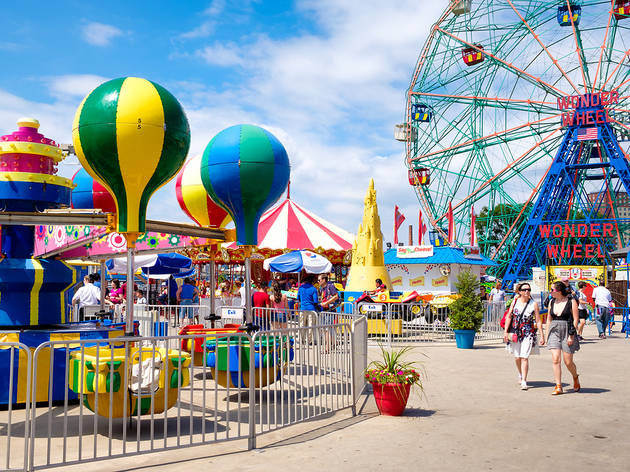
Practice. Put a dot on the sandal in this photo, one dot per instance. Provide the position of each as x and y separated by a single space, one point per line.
557 390
576 383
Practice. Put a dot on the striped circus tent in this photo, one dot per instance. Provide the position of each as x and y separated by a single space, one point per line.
291 226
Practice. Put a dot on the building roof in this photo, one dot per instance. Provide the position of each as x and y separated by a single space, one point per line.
441 255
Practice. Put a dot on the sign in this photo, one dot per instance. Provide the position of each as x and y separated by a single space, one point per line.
575 230
408 252
371 307
472 252
440 282
417 282
397 281
232 313
589 108
590 274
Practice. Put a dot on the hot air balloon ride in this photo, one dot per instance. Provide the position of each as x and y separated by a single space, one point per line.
90 193
245 169
132 136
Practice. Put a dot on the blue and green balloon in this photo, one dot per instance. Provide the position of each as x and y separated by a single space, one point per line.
245 169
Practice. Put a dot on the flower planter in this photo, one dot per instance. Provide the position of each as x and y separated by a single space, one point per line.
464 338
391 398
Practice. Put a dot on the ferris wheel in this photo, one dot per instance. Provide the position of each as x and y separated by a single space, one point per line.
482 118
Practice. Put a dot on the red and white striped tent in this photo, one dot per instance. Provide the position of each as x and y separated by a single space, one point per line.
291 226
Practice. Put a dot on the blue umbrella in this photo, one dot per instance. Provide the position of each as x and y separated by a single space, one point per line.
296 261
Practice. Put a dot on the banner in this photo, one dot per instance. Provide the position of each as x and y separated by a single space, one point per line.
417 282
398 220
440 282
451 225
397 281
407 252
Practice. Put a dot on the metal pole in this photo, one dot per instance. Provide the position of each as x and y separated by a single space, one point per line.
211 277
103 283
248 290
129 331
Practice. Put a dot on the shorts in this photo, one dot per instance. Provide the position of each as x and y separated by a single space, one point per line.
524 348
583 314
280 317
559 336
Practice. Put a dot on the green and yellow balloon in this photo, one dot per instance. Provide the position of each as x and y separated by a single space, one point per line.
132 136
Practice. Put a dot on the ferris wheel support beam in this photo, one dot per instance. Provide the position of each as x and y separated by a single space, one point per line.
625 56
499 102
537 38
579 51
537 81
603 47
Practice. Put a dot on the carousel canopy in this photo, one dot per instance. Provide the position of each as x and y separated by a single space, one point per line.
291 226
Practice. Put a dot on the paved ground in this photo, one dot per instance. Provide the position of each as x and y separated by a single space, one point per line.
473 417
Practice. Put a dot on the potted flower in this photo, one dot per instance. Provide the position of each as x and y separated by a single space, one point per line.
392 378
467 311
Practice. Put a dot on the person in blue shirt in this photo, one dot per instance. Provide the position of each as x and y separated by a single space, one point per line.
186 296
308 301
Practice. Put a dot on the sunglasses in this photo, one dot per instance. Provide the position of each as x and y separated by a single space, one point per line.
526 290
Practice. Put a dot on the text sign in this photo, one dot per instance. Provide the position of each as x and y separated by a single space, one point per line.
409 252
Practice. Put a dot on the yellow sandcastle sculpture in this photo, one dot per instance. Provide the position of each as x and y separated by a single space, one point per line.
368 262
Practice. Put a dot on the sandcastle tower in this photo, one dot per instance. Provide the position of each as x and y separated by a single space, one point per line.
368 262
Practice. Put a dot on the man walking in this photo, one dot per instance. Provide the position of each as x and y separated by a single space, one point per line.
602 298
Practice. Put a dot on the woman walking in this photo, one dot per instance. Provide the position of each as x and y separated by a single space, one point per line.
582 310
521 322
561 334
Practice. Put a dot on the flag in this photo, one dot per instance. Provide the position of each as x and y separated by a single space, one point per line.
473 230
587 134
451 224
422 228
398 220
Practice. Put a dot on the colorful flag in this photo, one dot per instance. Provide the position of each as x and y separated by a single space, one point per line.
587 134
451 224
473 230
398 220
422 228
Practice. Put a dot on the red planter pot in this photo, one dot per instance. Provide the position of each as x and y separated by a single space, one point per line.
391 399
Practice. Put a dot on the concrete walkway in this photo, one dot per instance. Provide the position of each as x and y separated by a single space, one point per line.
472 417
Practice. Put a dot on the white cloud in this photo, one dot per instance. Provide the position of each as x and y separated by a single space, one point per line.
99 34
215 8
218 54
74 85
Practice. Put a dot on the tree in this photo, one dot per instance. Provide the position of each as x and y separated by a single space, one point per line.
467 310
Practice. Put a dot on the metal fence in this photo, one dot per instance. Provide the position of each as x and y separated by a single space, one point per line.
133 395
416 322
14 422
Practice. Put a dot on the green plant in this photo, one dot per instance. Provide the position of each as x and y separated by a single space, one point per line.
467 310
392 368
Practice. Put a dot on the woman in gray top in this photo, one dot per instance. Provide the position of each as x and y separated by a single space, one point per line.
561 334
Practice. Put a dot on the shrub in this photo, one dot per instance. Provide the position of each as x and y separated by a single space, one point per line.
467 310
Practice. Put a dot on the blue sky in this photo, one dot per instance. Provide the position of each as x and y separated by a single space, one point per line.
327 77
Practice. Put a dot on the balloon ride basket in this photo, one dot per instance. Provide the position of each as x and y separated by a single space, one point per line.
230 359
50 386
154 376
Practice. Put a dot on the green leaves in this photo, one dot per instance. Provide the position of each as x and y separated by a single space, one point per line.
467 310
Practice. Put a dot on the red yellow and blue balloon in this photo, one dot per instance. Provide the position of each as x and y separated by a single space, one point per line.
132 136
89 193
245 169
194 200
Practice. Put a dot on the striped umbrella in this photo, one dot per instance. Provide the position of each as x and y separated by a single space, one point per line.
89 193
194 200
132 136
245 169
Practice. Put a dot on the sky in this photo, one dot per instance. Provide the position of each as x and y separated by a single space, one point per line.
327 77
